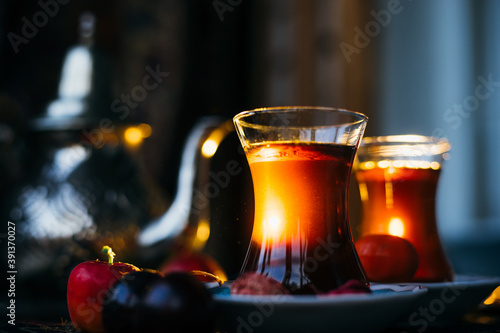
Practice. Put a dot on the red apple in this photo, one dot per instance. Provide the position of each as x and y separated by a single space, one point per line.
188 261
387 258
88 284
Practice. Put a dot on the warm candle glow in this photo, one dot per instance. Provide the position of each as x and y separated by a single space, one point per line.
211 144
393 165
273 227
133 135
495 296
203 231
396 227
209 148
202 234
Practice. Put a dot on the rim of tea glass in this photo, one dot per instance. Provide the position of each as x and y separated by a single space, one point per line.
362 117
438 145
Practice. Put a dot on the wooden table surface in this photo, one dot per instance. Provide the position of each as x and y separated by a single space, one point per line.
478 321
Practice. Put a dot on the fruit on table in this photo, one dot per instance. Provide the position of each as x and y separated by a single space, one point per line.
88 284
257 284
387 258
187 261
147 301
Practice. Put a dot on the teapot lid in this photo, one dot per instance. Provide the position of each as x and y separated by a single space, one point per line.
84 92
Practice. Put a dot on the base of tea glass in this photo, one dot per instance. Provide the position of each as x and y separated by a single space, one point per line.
398 178
300 161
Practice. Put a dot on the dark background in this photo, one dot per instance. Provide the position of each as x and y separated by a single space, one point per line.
209 64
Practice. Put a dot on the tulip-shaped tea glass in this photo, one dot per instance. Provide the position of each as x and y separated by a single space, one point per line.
300 161
398 178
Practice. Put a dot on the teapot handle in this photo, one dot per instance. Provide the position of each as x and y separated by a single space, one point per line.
188 207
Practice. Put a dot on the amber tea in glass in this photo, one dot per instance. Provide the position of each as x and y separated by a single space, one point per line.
300 161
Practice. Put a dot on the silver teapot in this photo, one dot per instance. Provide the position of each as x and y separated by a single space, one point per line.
81 194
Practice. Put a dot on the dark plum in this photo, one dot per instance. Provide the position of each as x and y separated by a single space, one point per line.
148 302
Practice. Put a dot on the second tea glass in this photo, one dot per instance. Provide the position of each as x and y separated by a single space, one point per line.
398 178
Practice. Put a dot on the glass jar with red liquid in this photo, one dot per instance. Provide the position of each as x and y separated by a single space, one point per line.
398 179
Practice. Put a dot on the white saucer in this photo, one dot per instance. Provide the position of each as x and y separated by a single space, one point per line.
300 313
448 301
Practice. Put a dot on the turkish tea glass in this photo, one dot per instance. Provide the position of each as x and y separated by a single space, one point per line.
300 161
398 179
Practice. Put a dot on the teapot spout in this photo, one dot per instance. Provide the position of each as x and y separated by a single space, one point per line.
188 209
